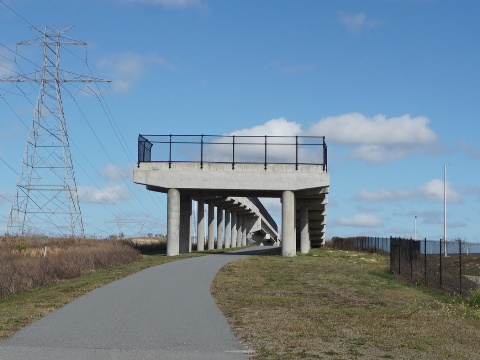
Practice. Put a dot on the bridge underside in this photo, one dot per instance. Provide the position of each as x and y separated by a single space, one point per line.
302 189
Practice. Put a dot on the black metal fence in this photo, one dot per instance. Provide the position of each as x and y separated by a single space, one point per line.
453 266
362 243
295 150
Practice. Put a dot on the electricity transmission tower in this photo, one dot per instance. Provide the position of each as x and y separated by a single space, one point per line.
46 193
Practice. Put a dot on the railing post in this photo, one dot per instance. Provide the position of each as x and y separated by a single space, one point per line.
170 153
296 152
140 153
265 152
325 167
201 153
233 152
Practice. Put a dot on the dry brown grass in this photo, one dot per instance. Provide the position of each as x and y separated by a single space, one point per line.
26 263
341 305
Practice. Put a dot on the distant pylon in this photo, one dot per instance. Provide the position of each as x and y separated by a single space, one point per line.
46 198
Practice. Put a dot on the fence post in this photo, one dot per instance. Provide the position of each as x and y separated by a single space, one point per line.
410 255
440 257
425 251
399 259
460 260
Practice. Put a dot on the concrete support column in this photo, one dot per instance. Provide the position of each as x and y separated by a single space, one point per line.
288 224
211 227
239 229
304 231
173 222
228 230
234 228
200 225
219 228
185 237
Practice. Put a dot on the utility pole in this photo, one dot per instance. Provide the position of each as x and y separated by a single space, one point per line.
445 209
46 197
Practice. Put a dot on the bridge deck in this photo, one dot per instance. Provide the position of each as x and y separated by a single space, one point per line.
303 188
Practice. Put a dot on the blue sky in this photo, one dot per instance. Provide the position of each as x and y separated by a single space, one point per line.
394 86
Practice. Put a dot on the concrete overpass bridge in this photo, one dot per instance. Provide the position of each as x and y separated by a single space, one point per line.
230 173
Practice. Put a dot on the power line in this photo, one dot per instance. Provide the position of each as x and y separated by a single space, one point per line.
129 155
8 165
20 16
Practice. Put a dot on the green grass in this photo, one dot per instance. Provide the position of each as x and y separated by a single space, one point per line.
341 305
20 310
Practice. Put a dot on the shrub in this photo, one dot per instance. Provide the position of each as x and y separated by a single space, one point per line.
27 264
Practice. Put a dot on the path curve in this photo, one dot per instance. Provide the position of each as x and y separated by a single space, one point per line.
164 312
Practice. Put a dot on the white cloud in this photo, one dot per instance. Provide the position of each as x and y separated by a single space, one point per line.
274 127
383 195
471 151
112 172
170 4
378 139
125 69
434 190
360 220
356 22
112 194
250 143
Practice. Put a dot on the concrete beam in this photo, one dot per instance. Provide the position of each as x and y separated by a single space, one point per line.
215 176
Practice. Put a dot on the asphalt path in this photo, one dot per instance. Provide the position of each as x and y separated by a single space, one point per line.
164 312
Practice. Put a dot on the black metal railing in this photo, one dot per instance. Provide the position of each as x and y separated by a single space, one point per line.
234 149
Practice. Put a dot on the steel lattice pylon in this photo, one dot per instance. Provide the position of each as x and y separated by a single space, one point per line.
46 194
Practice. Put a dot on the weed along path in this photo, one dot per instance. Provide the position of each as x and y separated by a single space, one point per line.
164 312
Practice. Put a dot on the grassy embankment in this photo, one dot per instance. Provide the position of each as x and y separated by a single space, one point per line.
342 305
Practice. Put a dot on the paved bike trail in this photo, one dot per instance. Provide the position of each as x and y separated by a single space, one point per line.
164 312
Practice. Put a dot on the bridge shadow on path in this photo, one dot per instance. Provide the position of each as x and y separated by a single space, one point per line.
256 250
